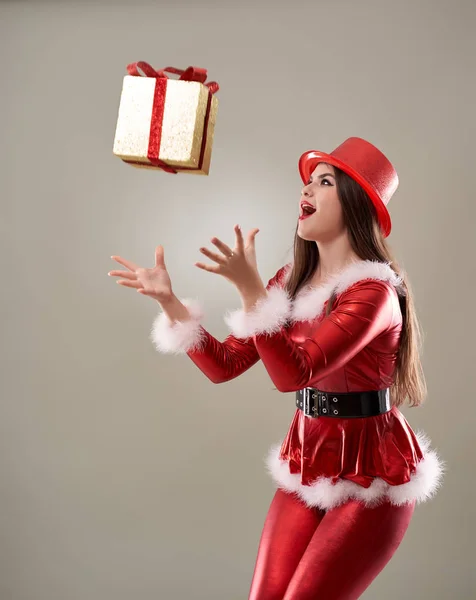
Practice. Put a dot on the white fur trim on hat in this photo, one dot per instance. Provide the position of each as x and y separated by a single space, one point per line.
181 336
310 300
267 316
324 494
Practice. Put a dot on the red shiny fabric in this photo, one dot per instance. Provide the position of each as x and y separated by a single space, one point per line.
223 361
309 554
354 348
357 450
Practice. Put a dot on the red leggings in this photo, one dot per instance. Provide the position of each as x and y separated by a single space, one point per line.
308 554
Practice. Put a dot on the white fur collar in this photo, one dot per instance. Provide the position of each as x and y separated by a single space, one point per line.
277 309
309 301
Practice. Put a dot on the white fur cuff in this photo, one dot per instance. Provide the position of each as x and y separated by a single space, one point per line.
181 336
268 315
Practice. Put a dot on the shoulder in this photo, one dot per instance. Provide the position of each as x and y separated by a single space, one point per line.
373 302
371 288
373 291
280 277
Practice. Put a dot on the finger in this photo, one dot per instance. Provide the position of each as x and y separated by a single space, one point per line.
239 238
221 246
252 236
127 283
127 263
209 268
125 274
213 255
159 257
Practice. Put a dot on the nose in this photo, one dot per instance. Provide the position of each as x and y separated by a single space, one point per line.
305 191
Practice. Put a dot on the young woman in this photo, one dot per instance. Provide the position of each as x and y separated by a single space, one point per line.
337 326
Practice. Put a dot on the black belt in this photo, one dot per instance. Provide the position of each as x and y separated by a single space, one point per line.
315 403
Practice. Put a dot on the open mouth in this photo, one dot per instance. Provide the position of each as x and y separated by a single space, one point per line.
306 211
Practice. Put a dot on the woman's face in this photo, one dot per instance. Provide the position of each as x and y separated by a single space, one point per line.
327 221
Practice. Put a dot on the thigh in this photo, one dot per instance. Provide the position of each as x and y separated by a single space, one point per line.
288 529
350 547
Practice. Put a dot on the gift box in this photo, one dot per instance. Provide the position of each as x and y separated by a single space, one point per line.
165 123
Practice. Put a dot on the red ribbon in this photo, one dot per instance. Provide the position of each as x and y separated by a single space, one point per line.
191 74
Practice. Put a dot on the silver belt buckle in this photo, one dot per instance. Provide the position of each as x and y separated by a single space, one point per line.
306 401
309 404
306 398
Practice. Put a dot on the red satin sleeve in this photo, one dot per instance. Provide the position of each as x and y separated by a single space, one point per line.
223 361
360 314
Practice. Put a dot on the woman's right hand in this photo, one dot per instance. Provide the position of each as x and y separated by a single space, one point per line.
154 282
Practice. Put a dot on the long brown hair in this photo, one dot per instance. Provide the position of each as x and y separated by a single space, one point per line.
368 243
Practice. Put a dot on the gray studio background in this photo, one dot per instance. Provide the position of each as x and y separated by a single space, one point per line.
126 474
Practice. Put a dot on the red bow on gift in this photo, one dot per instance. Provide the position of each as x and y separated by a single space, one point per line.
191 74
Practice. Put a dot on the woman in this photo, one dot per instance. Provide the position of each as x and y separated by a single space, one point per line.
337 326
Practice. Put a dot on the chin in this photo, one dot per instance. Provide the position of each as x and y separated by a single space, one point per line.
307 237
311 235
319 234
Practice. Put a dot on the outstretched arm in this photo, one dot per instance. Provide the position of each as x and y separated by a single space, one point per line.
219 361
178 330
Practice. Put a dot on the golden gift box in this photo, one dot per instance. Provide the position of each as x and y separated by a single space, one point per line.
165 123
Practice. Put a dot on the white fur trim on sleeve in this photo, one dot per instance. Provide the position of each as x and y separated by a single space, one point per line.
181 336
268 315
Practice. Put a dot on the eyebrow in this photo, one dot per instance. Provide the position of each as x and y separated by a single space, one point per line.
322 176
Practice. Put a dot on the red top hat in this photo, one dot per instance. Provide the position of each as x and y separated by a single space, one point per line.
366 165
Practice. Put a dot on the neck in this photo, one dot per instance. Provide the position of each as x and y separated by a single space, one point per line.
334 255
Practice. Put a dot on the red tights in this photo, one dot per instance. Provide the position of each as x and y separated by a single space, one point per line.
309 554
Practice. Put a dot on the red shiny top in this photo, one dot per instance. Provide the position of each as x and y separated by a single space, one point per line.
354 348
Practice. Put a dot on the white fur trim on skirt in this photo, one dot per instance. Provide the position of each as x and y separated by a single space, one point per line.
325 494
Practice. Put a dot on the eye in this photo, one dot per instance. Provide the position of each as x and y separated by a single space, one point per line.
327 182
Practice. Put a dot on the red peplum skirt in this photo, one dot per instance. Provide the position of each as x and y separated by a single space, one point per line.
328 460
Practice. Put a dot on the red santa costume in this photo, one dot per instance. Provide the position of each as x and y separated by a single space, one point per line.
325 460
327 357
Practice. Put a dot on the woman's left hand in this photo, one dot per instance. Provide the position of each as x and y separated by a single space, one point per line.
238 265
